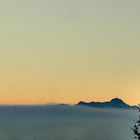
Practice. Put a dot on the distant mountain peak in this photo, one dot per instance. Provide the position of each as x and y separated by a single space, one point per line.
117 100
114 103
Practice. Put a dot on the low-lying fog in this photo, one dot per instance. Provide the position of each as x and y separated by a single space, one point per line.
66 123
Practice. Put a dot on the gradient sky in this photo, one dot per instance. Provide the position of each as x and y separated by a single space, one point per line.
63 51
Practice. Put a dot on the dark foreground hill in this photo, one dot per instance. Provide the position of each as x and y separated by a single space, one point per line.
114 103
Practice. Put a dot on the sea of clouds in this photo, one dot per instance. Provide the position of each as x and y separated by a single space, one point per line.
66 123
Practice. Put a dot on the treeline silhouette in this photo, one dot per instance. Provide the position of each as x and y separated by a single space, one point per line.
136 127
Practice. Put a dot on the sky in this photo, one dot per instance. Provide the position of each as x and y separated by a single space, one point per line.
69 50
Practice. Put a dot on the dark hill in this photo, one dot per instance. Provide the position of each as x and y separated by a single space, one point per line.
114 103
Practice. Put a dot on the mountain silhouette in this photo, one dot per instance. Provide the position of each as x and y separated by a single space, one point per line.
114 103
